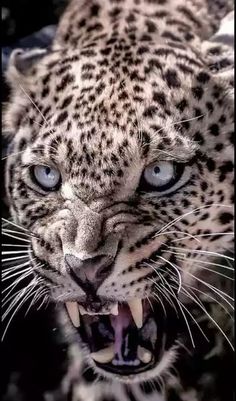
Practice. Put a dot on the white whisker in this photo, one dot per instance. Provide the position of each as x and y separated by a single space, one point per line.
183 314
199 251
211 297
22 299
210 270
15 237
16 252
15 246
210 317
28 96
204 235
176 270
190 212
15 258
177 232
210 286
195 321
16 274
14 224
205 262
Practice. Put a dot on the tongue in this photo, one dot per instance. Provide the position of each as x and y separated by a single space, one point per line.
125 345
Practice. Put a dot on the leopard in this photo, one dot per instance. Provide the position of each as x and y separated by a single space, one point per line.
119 178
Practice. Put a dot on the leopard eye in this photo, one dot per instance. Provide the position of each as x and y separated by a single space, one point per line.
159 174
162 177
48 178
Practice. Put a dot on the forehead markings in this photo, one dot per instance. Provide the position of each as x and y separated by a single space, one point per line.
148 146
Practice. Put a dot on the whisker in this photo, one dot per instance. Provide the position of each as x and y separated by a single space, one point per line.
211 297
184 347
177 122
13 154
199 251
15 246
29 235
162 304
39 293
8 270
46 298
150 303
16 252
176 270
158 287
28 96
16 274
177 232
210 317
210 270
184 316
204 262
195 321
15 298
214 289
14 224
168 299
23 299
11 287
164 281
204 235
190 212
14 258
15 237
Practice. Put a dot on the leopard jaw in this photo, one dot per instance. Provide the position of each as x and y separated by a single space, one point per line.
107 354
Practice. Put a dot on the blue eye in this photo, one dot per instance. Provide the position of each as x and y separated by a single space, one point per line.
159 174
164 177
48 178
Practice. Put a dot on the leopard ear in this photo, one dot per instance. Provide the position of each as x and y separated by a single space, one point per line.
21 63
218 52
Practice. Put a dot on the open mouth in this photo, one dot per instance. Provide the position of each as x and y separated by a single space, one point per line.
125 338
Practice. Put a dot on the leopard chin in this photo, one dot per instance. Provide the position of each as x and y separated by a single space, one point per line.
128 341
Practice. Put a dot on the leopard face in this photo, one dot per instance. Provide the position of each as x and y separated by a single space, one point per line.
121 171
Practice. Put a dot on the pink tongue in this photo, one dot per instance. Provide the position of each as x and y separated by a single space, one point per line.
119 324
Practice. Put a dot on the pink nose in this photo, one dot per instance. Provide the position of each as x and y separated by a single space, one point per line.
89 273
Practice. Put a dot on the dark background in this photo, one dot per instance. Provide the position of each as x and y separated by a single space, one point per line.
32 354
23 17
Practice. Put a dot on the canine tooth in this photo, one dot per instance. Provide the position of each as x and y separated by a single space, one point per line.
104 355
73 312
82 310
144 355
136 309
114 310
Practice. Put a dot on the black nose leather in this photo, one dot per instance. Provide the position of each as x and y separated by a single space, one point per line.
89 273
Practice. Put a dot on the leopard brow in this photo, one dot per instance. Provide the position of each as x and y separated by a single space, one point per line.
183 154
166 156
38 161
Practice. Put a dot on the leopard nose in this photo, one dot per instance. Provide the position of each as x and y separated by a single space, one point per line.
91 272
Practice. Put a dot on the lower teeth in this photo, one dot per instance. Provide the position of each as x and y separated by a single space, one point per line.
144 355
117 362
104 355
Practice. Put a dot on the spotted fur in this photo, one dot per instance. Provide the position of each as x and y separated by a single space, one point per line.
125 83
